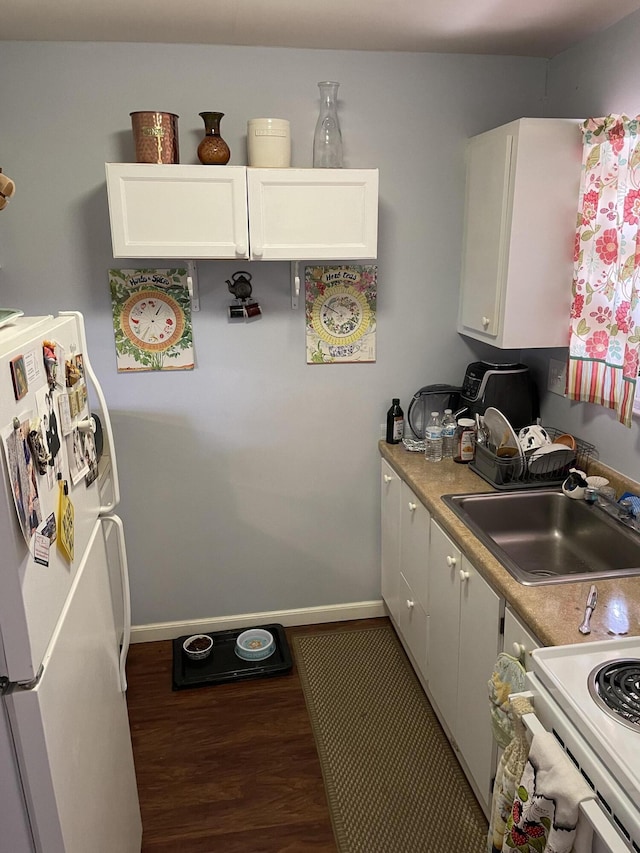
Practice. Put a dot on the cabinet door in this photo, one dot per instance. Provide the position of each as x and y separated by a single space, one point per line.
444 622
486 224
390 538
313 213
479 645
414 545
412 623
518 640
172 211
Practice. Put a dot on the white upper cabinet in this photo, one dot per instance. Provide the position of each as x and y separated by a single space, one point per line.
520 222
313 213
166 211
195 212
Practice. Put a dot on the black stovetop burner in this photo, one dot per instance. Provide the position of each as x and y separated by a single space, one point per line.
615 687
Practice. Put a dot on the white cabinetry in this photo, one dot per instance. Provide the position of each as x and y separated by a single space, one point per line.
322 214
196 212
390 538
405 555
414 576
518 639
464 641
520 213
166 211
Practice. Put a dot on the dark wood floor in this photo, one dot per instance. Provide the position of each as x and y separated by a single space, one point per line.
230 768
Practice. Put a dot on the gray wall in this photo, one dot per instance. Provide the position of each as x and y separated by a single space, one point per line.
598 77
251 483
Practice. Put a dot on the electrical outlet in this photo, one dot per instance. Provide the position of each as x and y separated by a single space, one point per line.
557 376
383 430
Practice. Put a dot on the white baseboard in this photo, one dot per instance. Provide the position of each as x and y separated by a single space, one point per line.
303 616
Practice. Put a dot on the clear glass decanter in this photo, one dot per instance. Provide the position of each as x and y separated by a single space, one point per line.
327 140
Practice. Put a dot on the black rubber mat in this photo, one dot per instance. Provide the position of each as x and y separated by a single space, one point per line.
223 665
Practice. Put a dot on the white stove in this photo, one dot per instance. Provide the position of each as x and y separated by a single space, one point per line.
573 688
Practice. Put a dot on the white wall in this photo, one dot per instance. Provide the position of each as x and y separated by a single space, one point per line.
598 77
251 483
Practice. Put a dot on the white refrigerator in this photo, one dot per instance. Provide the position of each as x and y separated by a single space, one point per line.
67 778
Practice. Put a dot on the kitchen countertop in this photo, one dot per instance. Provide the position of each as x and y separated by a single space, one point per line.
553 611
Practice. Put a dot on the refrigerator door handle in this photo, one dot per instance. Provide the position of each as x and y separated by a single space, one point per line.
126 598
107 508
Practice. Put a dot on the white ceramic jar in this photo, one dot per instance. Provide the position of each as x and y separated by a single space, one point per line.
269 143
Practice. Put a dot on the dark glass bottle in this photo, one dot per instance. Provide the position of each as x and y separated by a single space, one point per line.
395 422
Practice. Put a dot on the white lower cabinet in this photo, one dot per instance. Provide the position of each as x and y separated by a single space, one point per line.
414 575
464 640
405 554
518 639
449 621
412 623
390 539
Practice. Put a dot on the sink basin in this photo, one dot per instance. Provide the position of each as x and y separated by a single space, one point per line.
542 537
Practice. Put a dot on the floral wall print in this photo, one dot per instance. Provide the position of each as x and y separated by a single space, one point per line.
151 319
340 304
605 312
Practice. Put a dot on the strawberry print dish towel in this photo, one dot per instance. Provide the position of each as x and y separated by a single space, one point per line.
545 816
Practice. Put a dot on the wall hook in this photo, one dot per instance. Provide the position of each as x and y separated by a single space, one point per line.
295 283
192 285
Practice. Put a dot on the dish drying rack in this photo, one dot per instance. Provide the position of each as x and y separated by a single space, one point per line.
506 473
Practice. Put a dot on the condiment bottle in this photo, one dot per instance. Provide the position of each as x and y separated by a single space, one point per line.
465 441
395 422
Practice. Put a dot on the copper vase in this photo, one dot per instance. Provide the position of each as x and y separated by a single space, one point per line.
213 150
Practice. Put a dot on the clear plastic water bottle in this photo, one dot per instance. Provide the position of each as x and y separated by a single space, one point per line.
433 439
448 434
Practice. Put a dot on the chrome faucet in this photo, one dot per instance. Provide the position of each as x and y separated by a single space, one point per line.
622 510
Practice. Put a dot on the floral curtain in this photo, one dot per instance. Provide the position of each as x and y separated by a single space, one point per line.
605 313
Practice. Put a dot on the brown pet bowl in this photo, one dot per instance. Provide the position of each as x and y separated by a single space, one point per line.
198 646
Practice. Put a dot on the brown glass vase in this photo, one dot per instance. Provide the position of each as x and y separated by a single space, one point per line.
213 150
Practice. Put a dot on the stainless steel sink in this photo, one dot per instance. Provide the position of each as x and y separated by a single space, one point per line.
542 537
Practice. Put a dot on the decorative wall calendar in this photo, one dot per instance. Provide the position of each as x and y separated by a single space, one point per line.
151 319
340 303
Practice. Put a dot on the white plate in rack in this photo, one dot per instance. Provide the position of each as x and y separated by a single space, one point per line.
501 434
550 458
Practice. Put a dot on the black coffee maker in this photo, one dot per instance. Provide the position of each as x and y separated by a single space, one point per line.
507 387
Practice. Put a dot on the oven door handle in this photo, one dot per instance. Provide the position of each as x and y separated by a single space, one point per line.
591 809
